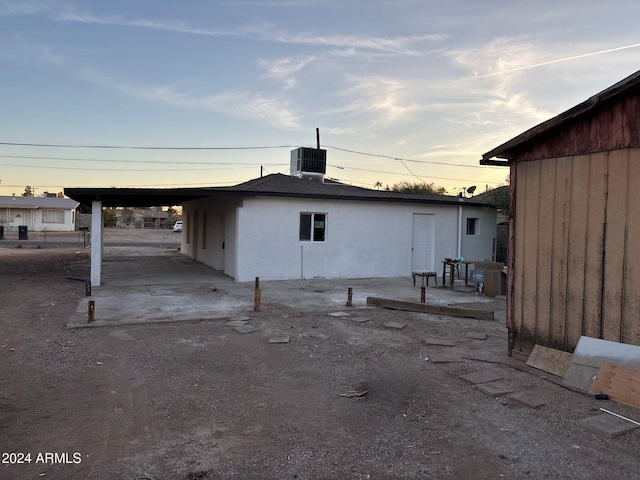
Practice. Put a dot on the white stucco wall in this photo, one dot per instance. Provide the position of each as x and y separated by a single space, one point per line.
12 218
363 239
216 245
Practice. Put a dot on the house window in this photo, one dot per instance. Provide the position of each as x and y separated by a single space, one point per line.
313 227
52 216
204 230
472 226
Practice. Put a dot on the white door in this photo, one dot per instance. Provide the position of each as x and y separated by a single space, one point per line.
422 249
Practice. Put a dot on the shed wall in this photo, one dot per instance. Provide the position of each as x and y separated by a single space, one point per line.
575 268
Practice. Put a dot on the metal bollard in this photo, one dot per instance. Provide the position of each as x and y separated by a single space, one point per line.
350 297
92 311
256 296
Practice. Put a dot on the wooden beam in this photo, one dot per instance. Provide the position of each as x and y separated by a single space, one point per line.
427 308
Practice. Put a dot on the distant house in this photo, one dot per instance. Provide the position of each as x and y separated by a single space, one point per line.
142 218
574 267
38 213
303 226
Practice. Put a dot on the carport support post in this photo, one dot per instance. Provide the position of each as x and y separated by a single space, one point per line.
96 242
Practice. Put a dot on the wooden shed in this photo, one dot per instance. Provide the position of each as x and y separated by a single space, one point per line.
574 237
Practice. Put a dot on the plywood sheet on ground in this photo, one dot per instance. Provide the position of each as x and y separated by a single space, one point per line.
620 383
549 360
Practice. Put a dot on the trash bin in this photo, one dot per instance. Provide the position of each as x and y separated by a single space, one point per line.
1 232
22 232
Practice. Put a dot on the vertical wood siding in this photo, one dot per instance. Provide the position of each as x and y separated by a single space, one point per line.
576 259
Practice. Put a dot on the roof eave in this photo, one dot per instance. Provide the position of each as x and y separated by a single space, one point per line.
504 150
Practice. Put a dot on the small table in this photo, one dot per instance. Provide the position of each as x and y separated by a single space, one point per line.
453 265
425 277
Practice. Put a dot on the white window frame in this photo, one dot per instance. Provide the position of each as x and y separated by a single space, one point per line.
312 229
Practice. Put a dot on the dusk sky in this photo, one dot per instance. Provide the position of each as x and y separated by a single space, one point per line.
402 90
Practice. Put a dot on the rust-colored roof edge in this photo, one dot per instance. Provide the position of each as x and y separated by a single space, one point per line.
555 122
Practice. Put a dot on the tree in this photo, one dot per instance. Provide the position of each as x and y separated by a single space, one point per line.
498 198
172 214
127 216
109 217
28 191
418 187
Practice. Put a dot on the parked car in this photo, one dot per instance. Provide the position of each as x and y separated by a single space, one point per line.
177 227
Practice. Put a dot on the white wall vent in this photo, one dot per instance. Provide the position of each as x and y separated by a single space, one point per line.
309 163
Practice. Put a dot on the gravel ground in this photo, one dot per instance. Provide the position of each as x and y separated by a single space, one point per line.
191 400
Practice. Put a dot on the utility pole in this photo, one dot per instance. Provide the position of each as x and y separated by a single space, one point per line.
318 137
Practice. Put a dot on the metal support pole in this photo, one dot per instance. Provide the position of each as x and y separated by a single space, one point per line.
423 294
87 288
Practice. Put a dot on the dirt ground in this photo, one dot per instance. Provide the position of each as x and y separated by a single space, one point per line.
198 400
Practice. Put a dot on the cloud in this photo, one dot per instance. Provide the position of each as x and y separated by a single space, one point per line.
404 45
285 69
25 7
382 96
234 103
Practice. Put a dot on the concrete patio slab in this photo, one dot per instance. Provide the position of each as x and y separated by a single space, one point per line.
607 425
280 339
484 376
496 389
444 358
528 398
167 286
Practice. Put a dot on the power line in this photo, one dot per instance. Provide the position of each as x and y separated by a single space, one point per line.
130 147
167 162
398 159
124 169
263 147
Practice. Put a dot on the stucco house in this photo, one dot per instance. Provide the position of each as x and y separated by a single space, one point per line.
38 213
283 227
301 225
574 234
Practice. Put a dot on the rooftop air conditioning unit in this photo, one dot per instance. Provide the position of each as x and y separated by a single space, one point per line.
309 163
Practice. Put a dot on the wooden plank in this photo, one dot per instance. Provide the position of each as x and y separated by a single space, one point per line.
427 308
518 261
620 383
616 219
545 232
576 252
630 328
562 184
596 198
529 240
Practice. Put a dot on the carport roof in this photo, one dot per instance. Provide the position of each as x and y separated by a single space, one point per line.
275 185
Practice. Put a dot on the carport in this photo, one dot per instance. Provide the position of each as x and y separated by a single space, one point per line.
98 198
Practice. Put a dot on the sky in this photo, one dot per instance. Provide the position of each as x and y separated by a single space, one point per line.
213 93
